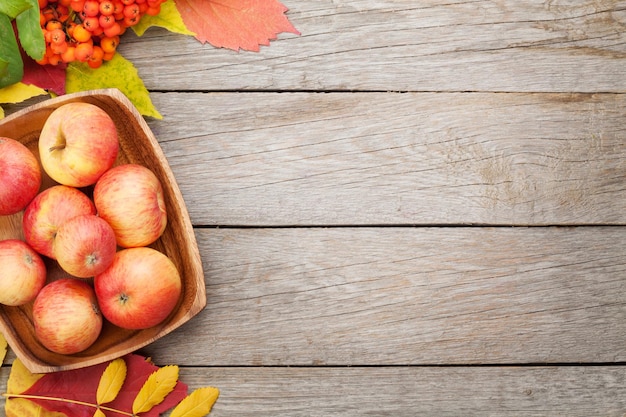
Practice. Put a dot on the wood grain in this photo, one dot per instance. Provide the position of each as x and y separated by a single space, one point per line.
388 158
395 45
406 296
410 391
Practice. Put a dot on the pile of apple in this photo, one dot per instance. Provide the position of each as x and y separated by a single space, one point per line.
96 222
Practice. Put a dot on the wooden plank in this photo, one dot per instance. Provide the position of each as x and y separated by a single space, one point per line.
397 296
421 45
389 158
409 391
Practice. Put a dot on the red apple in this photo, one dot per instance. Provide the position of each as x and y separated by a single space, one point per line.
84 246
66 316
140 288
48 210
20 176
130 198
77 144
22 273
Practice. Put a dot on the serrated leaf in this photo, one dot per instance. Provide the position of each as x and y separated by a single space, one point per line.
4 347
18 92
117 73
14 7
197 404
158 385
9 54
29 31
111 381
169 18
21 379
235 24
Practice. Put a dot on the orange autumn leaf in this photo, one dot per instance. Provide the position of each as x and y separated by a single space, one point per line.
235 24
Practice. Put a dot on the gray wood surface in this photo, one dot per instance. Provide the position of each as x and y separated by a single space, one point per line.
417 45
385 158
412 208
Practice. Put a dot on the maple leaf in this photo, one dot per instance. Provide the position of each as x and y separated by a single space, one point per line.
235 24
169 18
48 77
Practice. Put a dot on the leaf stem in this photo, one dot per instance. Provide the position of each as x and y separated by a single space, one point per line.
86 404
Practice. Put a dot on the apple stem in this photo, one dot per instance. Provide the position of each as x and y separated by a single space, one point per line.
57 148
86 404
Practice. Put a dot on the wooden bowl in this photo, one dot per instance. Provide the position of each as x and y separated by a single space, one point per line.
137 145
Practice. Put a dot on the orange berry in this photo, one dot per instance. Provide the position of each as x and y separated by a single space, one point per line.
59 48
106 21
57 36
131 10
83 51
109 44
153 10
91 23
68 55
80 34
42 3
54 59
106 7
95 59
91 8
65 3
108 56
77 5
114 30
131 21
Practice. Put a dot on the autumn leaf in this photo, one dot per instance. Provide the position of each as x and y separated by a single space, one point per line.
197 404
48 77
111 381
18 92
158 385
117 73
73 392
235 24
169 18
20 379
4 346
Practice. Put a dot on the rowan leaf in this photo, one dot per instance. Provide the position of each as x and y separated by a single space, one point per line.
197 404
29 31
21 379
99 413
169 18
158 385
11 64
14 7
235 24
111 381
4 347
73 392
117 73
18 92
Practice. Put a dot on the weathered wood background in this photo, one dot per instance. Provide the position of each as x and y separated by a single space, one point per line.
412 208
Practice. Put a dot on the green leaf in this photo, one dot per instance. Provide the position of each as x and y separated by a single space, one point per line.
30 33
117 73
169 18
12 8
9 54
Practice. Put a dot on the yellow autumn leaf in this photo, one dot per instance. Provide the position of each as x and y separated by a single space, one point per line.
18 92
4 346
99 413
111 381
197 404
169 18
117 73
21 379
158 385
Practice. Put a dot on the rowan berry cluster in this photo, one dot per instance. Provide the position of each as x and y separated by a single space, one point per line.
88 30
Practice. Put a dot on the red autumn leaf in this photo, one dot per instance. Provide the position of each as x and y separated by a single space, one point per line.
82 384
235 24
48 77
